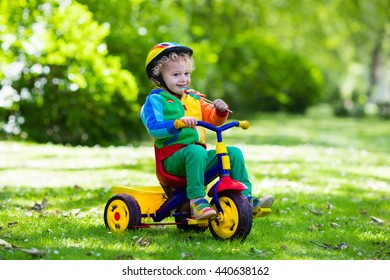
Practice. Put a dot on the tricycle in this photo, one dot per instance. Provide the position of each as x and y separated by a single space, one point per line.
134 207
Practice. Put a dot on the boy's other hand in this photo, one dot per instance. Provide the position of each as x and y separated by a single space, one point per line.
220 105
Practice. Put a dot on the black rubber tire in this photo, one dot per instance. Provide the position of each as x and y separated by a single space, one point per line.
237 220
122 212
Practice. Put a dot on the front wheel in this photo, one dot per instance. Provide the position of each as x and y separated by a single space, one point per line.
236 220
122 212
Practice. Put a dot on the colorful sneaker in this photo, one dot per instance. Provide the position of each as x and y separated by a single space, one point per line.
265 201
201 209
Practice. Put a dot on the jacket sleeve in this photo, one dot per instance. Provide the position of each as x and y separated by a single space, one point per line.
153 118
212 115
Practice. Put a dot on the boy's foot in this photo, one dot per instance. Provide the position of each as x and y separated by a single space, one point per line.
201 209
265 201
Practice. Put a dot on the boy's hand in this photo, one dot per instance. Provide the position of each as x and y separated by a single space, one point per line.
220 105
189 121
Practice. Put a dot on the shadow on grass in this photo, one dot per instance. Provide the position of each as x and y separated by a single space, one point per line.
64 199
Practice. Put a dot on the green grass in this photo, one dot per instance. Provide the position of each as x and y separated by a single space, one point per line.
330 178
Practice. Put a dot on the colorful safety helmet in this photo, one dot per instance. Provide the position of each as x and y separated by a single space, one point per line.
160 50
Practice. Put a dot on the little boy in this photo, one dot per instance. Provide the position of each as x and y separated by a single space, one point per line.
169 66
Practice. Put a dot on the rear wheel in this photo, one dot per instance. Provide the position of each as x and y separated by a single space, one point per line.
236 220
122 212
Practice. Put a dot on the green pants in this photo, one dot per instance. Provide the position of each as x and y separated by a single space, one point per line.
193 160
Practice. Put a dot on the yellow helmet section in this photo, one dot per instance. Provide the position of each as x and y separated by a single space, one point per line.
155 51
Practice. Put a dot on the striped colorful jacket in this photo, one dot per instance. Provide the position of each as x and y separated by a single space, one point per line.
160 111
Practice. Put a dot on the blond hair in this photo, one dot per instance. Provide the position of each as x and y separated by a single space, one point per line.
156 70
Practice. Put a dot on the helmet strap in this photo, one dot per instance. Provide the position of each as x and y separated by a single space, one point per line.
161 83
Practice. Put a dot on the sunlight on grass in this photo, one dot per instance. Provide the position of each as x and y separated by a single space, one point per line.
330 178
60 166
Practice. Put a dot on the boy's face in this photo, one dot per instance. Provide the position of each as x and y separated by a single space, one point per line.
176 75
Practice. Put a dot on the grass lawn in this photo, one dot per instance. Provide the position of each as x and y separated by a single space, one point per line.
330 178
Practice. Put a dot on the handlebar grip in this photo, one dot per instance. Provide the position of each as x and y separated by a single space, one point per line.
243 124
179 124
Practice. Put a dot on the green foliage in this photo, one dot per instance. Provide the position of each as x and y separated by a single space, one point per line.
73 71
348 41
263 80
65 86
270 79
136 26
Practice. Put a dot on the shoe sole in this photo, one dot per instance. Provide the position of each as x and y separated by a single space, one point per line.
267 203
206 215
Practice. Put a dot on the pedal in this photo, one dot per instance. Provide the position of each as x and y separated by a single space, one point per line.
261 212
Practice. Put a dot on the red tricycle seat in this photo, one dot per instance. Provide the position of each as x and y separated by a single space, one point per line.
166 179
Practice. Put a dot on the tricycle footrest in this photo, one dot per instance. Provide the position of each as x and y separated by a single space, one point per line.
261 212
202 223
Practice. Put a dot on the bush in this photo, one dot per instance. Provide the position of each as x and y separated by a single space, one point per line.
65 88
271 79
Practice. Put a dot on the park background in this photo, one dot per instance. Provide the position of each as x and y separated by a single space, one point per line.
73 71
311 76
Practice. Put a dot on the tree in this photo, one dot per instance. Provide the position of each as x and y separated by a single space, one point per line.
60 82
221 43
75 73
347 40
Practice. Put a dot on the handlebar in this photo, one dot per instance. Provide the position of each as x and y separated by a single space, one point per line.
243 124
